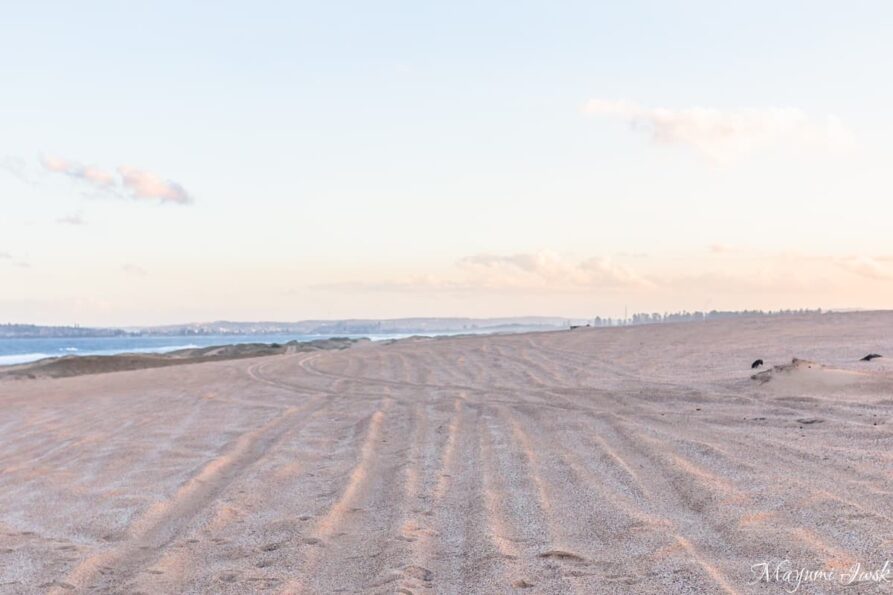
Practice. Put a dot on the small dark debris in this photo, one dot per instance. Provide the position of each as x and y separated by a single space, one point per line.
870 357
561 555
756 364
420 573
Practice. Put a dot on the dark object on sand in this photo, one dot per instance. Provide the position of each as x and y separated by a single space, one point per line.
756 364
870 357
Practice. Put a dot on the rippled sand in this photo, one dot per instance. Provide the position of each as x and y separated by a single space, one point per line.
640 460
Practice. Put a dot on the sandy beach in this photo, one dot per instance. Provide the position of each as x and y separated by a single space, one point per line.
639 459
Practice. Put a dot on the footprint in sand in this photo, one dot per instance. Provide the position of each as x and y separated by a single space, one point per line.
420 573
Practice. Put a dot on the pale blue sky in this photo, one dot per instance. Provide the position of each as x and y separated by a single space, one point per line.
406 158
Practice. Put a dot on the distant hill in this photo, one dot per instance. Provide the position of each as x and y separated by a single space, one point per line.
357 326
371 326
25 331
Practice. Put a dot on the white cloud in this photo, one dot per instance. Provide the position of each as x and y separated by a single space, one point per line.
721 135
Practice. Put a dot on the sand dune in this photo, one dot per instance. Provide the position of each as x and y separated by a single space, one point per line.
640 460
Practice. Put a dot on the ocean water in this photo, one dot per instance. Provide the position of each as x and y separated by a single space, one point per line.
19 351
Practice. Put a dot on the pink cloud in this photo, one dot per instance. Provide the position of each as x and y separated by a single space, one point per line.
130 182
90 174
143 184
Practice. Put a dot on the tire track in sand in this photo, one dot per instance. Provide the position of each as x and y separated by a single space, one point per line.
421 530
334 518
163 521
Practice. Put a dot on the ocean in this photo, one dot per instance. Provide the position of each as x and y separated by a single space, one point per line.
20 351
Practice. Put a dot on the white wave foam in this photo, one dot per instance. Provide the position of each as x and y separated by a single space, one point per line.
164 349
25 358
21 358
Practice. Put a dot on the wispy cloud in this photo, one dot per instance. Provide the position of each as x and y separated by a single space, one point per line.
721 248
132 269
787 263
549 269
88 173
14 261
72 219
876 268
539 272
17 167
721 135
126 181
757 273
409 284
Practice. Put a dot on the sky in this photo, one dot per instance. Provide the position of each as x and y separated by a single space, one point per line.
168 162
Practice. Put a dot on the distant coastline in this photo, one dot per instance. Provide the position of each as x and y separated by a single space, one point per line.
22 350
362 327
304 327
